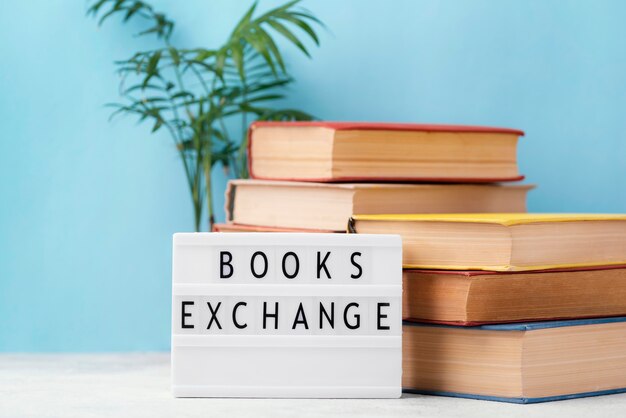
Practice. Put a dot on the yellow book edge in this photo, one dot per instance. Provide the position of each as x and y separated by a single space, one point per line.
509 267
506 219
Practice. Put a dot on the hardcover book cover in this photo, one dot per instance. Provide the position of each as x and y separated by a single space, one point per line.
518 363
475 297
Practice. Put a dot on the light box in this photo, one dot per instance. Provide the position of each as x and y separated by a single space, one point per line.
287 315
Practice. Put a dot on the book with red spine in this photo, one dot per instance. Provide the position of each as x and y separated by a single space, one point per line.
382 152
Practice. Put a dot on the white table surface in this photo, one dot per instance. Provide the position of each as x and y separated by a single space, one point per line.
137 385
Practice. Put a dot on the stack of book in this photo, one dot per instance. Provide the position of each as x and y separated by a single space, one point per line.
498 304
313 176
511 307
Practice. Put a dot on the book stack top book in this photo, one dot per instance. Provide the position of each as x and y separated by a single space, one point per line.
351 151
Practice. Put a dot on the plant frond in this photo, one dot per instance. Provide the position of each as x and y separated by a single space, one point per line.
162 26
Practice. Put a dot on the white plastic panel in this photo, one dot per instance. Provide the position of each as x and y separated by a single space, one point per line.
263 315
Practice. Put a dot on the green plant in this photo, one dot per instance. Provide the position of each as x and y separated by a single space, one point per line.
194 93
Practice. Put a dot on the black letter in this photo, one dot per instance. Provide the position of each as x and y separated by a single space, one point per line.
237 305
214 315
355 264
357 316
295 272
224 263
274 315
300 321
380 316
322 265
258 276
185 314
331 318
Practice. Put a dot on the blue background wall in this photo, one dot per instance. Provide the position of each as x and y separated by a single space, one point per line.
87 207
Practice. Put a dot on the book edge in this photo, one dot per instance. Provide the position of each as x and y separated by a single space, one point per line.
473 273
272 228
371 185
443 180
495 218
520 400
469 324
526 326
387 126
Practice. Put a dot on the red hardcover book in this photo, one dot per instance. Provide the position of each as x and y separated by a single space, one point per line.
484 297
361 151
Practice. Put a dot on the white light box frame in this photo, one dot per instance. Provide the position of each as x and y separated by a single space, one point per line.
287 315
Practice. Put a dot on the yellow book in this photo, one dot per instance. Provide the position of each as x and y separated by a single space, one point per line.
504 241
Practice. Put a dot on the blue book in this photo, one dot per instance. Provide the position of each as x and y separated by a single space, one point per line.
519 363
